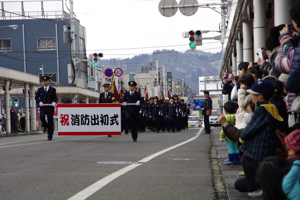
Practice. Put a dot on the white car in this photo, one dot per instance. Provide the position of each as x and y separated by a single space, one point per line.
213 118
194 121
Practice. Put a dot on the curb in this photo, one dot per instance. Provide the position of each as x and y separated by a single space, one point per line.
2 135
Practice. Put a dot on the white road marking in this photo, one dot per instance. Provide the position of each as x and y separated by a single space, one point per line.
49 142
87 192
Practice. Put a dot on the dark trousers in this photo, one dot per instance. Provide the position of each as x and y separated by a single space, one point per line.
248 184
206 123
132 119
49 112
172 121
167 122
3 127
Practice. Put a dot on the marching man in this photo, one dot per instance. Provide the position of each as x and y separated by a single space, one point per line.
46 95
106 97
132 111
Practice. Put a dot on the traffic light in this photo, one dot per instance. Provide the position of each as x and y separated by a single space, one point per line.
198 38
95 59
192 39
16 102
195 38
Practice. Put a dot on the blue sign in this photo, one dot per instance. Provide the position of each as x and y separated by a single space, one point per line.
108 72
198 102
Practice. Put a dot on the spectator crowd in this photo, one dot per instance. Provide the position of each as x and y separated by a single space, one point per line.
261 120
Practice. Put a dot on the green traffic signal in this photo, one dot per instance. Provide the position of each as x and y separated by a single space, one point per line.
192 45
96 64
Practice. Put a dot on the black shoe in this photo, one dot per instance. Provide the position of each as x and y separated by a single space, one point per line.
45 129
206 133
126 133
157 131
49 139
134 140
173 131
109 136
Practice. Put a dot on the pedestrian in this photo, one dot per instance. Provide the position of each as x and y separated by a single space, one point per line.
13 121
3 123
46 95
124 125
132 111
22 123
206 112
232 146
106 97
20 115
258 138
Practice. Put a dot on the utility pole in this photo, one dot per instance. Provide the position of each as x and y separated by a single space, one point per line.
223 17
73 48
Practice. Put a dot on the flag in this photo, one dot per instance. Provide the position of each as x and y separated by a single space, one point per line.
120 90
139 89
114 90
169 95
146 94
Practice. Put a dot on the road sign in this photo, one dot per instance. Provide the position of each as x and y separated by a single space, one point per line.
108 72
118 72
190 10
169 80
168 12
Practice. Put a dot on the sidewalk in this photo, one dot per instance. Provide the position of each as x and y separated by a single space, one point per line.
3 134
230 172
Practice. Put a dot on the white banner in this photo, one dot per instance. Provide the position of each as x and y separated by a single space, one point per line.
89 119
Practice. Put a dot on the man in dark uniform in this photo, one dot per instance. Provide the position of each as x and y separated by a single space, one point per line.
183 114
166 116
177 120
124 125
206 112
46 95
154 113
172 112
132 111
187 117
106 96
149 119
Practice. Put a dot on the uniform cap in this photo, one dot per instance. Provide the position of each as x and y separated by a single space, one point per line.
206 92
106 85
132 83
45 78
167 98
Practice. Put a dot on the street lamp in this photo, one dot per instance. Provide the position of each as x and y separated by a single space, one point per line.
10 26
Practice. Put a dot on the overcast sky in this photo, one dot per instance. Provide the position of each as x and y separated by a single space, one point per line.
124 28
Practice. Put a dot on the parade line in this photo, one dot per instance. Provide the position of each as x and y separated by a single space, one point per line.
87 192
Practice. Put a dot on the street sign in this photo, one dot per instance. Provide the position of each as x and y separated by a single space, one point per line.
168 12
189 10
108 72
118 72
169 80
189 105
192 105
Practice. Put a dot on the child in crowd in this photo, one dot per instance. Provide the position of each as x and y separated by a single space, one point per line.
232 146
292 142
246 81
290 184
278 178
258 137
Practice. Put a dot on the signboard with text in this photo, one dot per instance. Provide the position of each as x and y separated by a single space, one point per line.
169 80
89 119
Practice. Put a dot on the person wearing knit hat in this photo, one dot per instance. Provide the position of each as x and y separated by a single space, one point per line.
292 142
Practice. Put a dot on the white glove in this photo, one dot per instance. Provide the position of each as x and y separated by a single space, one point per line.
124 103
41 104
137 103
53 104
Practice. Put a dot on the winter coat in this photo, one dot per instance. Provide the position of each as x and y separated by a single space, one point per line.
243 99
13 118
290 184
293 82
231 119
258 138
234 92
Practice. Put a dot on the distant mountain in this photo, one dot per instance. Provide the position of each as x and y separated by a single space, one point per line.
188 65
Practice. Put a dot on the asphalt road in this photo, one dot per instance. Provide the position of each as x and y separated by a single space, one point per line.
158 166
